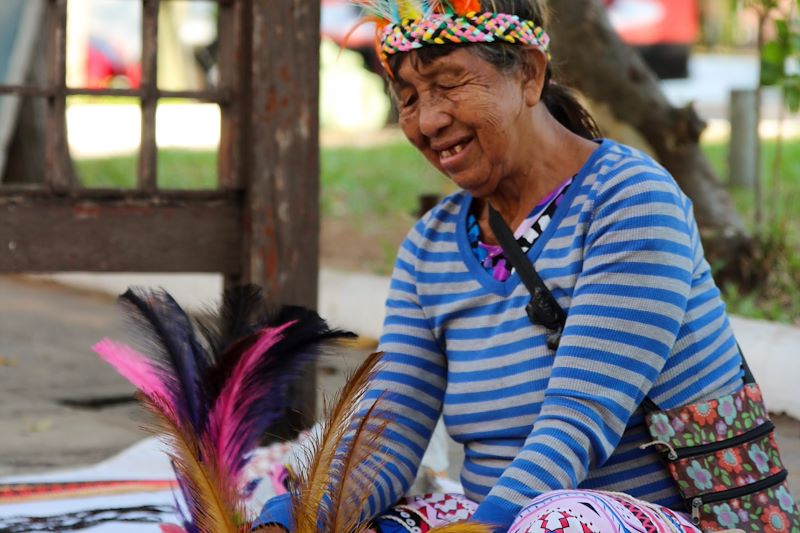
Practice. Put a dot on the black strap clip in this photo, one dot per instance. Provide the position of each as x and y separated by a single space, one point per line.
543 309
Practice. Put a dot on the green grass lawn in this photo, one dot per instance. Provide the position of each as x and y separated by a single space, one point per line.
177 169
359 182
369 186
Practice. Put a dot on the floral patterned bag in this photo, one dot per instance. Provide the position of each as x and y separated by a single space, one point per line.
723 456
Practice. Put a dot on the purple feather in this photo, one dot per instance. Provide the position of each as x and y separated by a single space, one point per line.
169 333
231 434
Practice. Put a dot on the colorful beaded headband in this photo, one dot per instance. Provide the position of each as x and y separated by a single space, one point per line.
405 25
470 28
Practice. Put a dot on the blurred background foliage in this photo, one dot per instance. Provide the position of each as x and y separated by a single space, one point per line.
372 178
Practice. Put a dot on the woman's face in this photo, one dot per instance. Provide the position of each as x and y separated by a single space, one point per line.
468 118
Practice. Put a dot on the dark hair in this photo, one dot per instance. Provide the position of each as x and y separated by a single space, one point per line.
559 99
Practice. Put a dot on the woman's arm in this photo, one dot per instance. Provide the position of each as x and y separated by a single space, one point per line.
626 309
411 382
410 385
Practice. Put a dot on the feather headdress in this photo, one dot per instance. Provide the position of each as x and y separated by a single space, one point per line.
397 10
405 25
214 394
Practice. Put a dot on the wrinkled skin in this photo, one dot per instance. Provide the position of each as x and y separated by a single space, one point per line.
488 130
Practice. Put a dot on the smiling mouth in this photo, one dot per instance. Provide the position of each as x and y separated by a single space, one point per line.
453 150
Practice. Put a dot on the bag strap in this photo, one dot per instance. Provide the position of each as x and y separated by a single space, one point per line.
748 376
543 308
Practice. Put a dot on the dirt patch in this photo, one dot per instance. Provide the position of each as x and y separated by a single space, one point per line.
364 246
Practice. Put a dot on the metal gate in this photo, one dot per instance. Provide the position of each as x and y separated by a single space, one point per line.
260 224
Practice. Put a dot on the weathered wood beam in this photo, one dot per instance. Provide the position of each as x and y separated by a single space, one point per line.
110 231
283 193
210 96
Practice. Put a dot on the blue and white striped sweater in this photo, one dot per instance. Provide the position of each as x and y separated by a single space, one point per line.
622 255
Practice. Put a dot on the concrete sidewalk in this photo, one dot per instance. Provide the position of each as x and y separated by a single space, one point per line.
61 407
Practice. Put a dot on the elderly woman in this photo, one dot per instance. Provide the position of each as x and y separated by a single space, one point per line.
553 439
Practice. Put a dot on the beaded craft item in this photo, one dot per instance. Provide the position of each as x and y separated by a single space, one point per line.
405 25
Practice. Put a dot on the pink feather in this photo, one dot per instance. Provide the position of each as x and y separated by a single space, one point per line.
228 416
134 367
171 528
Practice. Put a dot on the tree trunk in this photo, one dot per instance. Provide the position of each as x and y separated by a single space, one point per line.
27 163
590 57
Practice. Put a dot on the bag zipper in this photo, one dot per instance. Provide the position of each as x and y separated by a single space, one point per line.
698 501
760 431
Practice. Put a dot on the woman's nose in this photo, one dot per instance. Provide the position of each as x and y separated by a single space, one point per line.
433 117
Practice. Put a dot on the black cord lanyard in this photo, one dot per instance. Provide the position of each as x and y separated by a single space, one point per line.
543 308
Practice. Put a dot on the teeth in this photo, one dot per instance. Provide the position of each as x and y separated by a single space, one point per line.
457 149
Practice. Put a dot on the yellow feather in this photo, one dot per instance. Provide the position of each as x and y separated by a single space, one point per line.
216 509
408 9
333 491
355 479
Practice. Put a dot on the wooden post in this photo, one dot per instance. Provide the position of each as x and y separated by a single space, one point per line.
148 152
743 147
59 176
232 63
281 210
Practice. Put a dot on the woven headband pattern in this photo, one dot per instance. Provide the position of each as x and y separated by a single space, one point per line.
437 29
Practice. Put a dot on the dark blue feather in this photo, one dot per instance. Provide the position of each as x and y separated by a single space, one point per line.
170 334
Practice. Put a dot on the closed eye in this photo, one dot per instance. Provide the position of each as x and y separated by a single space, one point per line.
409 100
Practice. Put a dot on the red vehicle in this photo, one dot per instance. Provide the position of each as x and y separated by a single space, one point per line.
662 30
107 67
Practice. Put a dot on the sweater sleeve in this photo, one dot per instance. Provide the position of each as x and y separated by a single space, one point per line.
410 384
411 381
626 309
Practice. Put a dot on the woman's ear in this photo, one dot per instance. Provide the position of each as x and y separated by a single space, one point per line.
534 69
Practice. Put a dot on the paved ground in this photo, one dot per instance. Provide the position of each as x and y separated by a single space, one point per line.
60 406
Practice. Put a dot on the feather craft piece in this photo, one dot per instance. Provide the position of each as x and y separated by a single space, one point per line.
331 493
387 12
214 399
168 335
330 496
